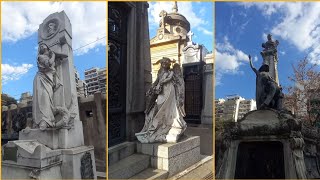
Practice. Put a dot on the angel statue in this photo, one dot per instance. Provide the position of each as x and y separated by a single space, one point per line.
45 83
165 109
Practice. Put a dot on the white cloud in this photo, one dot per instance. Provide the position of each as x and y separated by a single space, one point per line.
12 72
184 8
228 59
21 20
299 24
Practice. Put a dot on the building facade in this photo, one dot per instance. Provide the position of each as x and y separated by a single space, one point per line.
95 79
233 108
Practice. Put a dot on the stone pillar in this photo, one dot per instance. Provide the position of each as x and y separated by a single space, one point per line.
138 67
56 33
207 111
271 60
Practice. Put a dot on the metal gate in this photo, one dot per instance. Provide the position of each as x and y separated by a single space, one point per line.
117 48
193 92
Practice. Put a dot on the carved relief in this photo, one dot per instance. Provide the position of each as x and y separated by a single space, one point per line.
51 28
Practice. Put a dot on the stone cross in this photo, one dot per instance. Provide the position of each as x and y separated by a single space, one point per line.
163 14
190 34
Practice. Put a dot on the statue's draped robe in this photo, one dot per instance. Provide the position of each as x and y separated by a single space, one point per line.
265 89
43 107
165 118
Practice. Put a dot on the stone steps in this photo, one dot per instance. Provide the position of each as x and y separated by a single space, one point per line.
151 174
129 166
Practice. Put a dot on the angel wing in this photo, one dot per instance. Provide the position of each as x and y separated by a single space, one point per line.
179 88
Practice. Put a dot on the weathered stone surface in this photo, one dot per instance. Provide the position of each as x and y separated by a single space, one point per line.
129 166
168 150
33 159
120 151
173 157
71 164
150 174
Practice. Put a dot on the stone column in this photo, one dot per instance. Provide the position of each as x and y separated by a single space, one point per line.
270 58
207 111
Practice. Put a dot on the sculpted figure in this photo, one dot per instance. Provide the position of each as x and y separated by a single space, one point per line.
270 44
268 93
43 107
165 110
45 113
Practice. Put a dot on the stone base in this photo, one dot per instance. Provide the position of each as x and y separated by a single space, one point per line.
173 157
56 139
75 165
25 159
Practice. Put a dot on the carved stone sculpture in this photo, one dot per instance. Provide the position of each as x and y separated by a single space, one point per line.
43 84
268 93
165 108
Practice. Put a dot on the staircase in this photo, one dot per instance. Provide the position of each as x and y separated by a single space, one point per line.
124 163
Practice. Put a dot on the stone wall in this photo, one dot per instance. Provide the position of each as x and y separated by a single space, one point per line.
138 67
14 118
93 117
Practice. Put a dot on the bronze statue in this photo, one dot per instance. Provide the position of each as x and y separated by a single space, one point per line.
268 93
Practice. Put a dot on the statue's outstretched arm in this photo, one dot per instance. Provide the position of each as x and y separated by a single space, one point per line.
252 67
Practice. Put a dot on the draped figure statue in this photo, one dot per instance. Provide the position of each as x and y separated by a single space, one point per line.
44 110
43 84
165 110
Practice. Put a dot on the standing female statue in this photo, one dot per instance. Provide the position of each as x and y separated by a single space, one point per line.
43 84
165 111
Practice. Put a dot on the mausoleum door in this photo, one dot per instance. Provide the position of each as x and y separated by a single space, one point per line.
193 93
260 160
117 47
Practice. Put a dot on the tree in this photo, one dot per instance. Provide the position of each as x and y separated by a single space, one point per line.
6 100
304 94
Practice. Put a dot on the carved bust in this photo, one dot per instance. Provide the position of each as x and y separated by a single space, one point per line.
52 27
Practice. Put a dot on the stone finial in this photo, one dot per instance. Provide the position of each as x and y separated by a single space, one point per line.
175 7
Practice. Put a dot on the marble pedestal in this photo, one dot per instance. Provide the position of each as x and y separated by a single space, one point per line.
25 159
173 157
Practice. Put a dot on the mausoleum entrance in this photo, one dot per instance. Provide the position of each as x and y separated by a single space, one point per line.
260 160
117 56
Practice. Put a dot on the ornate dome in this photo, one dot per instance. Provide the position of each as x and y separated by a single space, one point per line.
175 22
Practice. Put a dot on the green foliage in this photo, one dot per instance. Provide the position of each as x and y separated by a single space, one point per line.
6 100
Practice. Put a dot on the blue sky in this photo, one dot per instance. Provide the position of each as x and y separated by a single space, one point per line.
19 35
199 14
242 27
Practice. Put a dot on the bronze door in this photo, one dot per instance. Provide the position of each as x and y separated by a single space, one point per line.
193 93
117 47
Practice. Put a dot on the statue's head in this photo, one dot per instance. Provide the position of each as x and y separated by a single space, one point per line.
43 48
264 68
165 63
269 37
